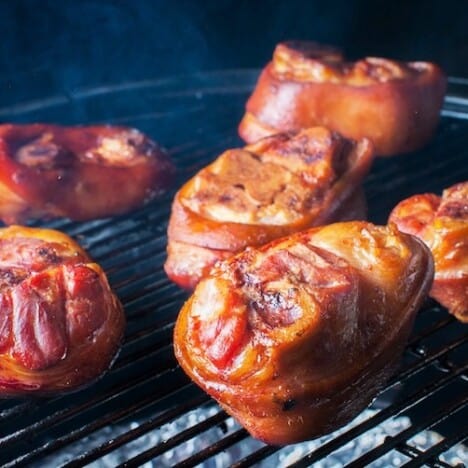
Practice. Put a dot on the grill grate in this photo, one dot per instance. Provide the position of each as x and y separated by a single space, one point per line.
145 409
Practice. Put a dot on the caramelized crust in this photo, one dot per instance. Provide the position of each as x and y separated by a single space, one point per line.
296 337
395 104
249 196
442 223
188 263
60 324
77 172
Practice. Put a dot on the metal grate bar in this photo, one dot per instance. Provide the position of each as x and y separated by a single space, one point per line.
416 338
162 285
17 410
116 248
409 450
392 441
141 354
419 174
134 280
163 326
121 364
92 228
389 172
256 456
125 240
72 436
116 228
171 292
176 440
392 170
118 260
214 449
173 300
437 449
67 413
146 284
125 244
384 414
426 360
142 429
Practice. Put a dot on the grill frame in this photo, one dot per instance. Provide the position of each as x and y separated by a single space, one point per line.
146 390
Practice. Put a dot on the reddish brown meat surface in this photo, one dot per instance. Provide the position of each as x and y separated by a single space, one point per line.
442 223
249 196
395 104
77 172
296 337
60 324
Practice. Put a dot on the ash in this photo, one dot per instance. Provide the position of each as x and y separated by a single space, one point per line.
204 439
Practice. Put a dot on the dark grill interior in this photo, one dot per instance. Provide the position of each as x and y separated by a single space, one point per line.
146 409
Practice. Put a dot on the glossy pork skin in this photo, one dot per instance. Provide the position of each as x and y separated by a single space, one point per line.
442 223
249 196
296 337
77 172
395 104
60 324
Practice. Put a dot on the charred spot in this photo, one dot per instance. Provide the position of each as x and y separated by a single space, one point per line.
274 309
313 199
288 404
202 196
292 202
11 276
301 147
134 142
310 158
143 146
455 209
255 157
49 255
240 274
225 198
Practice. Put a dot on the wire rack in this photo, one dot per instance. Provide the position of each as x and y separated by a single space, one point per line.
145 411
